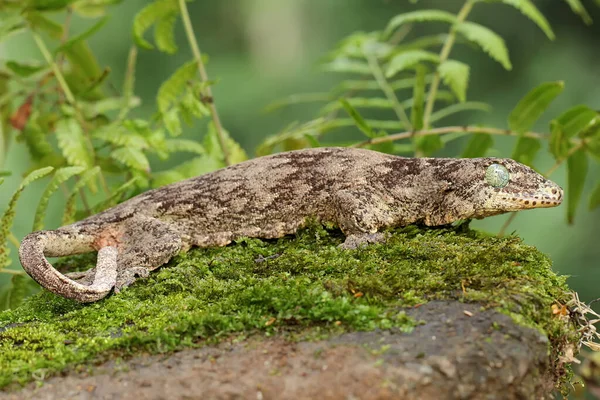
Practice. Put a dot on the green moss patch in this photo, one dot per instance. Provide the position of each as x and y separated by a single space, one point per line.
303 285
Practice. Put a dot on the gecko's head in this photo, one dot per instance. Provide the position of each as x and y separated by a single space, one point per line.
503 185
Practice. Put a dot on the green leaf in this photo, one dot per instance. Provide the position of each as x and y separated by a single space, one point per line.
73 143
428 144
455 108
478 145
39 22
532 106
213 147
49 5
528 9
409 59
578 8
131 157
416 114
418 16
595 198
577 167
120 136
21 287
183 145
576 119
346 65
115 196
11 25
164 33
189 169
82 36
172 88
172 122
358 119
292 132
61 175
36 141
455 75
559 143
301 98
69 213
487 39
148 16
526 149
9 215
25 70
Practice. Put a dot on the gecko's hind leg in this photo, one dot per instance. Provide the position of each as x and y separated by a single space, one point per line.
146 244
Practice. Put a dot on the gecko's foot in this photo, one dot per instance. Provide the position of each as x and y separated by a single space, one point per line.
129 276
83 277
355 241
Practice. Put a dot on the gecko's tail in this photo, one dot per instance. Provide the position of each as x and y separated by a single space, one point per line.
56 243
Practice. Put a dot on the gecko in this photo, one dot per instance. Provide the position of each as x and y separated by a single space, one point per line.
363 192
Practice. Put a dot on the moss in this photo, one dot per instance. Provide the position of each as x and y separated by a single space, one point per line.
302 285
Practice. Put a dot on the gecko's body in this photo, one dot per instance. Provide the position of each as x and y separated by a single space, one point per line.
361 191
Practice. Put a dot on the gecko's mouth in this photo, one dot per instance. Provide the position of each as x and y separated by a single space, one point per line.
549 196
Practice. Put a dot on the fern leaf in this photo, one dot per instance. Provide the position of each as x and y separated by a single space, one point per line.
164 33
131 157
114 197
347 65
213 147
21 287
416 114
409 59
148 16
172 88
455 108
183 145
69 213
488 40
172 122
418 16
9 215
73 143
527 8
194 167
82 36
531 107
455 75
61 175
121 137
36 141
578 8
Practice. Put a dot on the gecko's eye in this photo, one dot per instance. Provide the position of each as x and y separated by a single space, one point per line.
497 175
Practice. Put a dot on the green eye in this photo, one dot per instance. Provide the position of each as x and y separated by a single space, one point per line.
497 175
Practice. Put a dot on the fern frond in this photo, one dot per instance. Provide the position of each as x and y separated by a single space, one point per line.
527 8
488 40
114 197
81 36
183 145
213 148
531 107
9 215
131 157
164 33
172 88
69 213
456 76
409 59
60 176
347 65
119 136
148 16
418 16
578 8
460 107
73 143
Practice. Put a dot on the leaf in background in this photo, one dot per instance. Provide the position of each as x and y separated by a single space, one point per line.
528 9
148 16
460 107
576 119
347 65
184 145
592 146
172 88
426 145
82 36
358 119
487 39
69 213
578 8
409 59
60 176
49 5
131 157
21 286
164 33
532 106
8 217
73 143
195 167
526 149
595 198
11 25
310 128
213 147
478 145
381 103
193 105
172 122
558 142
39 22
416 114
25 70
418 16
455 75
577 167
115 196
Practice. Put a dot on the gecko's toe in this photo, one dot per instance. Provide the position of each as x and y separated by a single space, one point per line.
355 241
129 276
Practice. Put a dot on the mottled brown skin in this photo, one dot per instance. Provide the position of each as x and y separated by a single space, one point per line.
361 191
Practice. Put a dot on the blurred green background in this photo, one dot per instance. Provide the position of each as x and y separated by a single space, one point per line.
263 50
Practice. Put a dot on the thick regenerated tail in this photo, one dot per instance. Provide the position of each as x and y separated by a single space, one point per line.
57 243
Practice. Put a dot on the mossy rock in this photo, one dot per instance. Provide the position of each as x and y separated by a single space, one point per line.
301 288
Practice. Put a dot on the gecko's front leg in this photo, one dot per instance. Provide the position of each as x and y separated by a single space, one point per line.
360 214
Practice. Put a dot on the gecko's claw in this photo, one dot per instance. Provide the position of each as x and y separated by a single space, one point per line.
129 276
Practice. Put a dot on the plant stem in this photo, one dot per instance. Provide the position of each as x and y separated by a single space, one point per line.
189 31
552 169
129 82
387 89
13 239
444 130
444 53
12 272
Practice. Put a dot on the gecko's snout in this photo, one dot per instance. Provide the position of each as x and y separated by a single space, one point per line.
549 195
